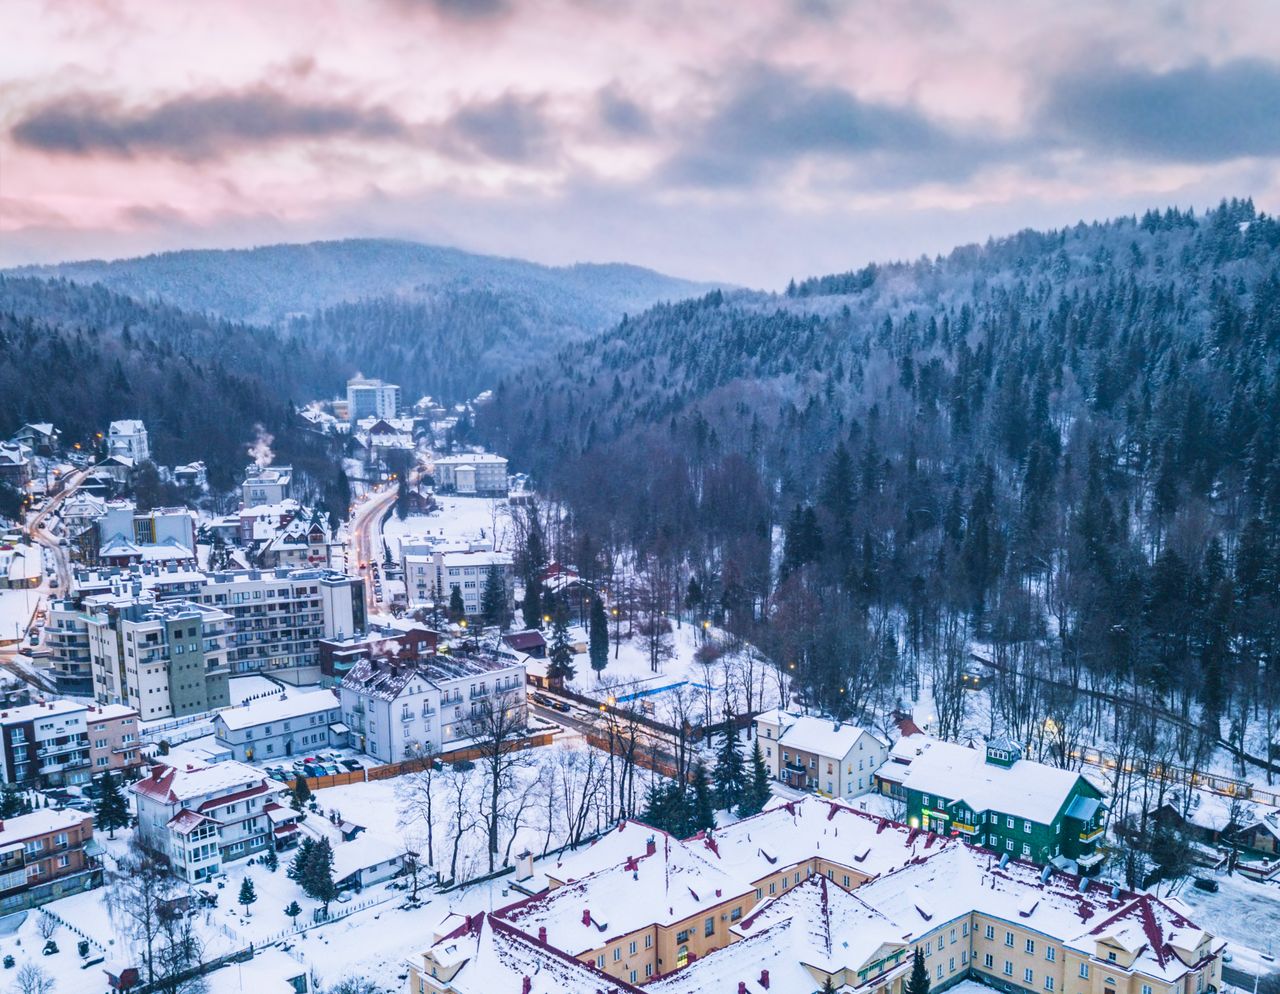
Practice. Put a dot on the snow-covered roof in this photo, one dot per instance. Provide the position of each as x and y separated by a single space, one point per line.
21 827
470 459
821 736
174 785
127 427
492 956
288 704
958 773
362 852
673 883
270 971
767 843
43 709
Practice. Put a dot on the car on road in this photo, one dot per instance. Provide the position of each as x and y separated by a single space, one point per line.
1206 884
544 700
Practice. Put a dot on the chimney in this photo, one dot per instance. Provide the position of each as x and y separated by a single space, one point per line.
526 985
764 979
586 916
468 924
542 934
650 846
742 987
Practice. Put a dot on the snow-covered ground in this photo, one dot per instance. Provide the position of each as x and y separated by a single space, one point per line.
1245 913
16 609
724 677
458 520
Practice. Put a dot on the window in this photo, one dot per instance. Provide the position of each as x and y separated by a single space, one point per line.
632 950
1008 968
1051 954
648 942
1048 983
951 965
1008 938
991 932
938 972
617 954
925 800
1026 849
1111 957
64 860
735 914
1026 826
682 936
987 960
1084 970
633 976
928 948
709 926
1146 989
1029 975
1008 844
1031 945
648 969
600 962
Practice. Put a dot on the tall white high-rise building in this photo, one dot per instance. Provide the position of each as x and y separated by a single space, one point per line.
371 399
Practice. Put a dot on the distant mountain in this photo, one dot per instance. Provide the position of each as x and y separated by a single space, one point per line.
270 284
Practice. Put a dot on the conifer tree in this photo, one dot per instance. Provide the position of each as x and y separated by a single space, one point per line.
598 643
298 865
756 794
560 656
317 881
493 599
531 606
271 861
247 894
457 609
293 910
112 808
703 811
919 982
730 775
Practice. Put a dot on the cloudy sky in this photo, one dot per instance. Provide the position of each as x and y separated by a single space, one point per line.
746 140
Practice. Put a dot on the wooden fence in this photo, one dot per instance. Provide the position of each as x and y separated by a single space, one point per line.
370 773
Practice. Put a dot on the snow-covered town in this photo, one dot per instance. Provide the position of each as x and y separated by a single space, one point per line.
575 497
409 748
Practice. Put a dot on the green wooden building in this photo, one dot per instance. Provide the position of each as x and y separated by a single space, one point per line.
996 799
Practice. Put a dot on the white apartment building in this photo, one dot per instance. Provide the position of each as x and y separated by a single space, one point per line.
481 473
830 757
395 709
293 723
45 744
266 485
371 399
128 438
165 659
429 575
201 817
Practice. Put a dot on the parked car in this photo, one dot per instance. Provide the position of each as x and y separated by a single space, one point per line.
351 764
1206 883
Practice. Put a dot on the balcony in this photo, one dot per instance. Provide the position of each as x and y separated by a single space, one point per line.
1090 834
964 829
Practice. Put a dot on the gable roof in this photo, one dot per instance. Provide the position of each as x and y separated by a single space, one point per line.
1026 789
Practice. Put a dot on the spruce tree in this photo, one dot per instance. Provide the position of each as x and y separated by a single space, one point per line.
531 606
247 894
271 860
317 882
493 599
560 666
730 773
703 811
919 982
13 802
298 866
112 808
598 643
293 910
301 794
756 794
457 610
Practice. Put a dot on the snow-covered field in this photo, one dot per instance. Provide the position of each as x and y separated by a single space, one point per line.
458 520
721 677
1245 913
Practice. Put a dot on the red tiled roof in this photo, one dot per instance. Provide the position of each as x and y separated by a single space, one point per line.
219 802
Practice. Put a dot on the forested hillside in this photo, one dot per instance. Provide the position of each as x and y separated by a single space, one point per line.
81 357
436 320
275 282
1060 448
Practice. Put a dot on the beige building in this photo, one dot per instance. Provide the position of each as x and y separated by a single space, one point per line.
814 891
832 758
114 741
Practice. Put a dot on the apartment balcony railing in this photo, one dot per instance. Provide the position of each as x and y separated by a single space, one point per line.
1089 834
